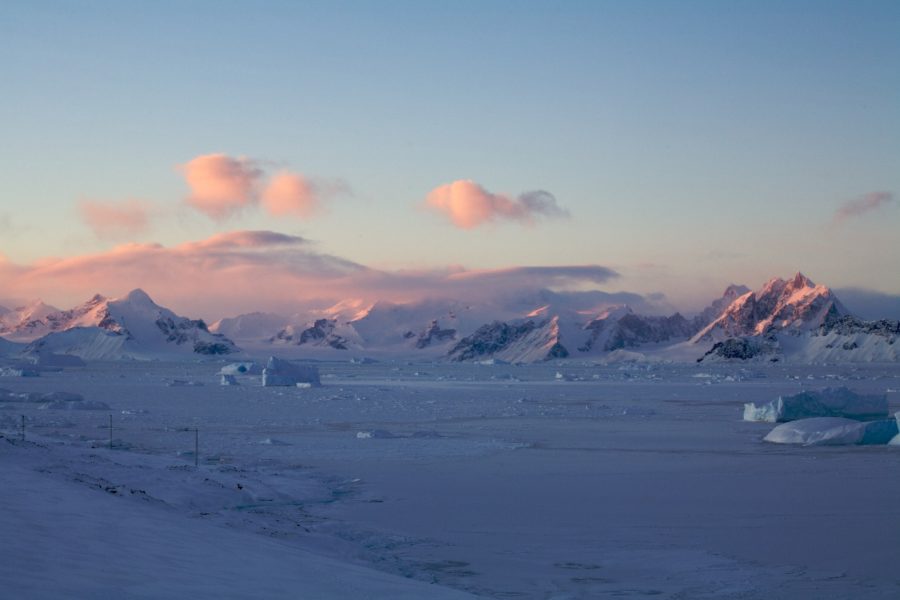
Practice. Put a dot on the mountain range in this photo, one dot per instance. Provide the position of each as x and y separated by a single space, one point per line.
786 319
129 327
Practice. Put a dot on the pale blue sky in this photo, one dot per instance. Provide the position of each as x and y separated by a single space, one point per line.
693 143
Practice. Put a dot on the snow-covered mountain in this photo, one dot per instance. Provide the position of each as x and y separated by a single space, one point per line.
718 306
791 319
255 326
622 328
27 322
131 326
560 330
527 341
799 321
321 333
796 305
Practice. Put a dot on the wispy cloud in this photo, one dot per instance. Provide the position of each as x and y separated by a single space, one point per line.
467 204
115 220
243 271
862 205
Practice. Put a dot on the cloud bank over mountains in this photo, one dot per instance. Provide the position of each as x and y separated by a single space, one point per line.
241 271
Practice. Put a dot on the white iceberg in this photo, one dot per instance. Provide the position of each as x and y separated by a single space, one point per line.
829 402
280 372
833 431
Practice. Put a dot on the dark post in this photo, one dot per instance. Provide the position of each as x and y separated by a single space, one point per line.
196 446
23 428
110 432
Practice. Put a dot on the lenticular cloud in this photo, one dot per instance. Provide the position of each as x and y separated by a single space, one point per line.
467 204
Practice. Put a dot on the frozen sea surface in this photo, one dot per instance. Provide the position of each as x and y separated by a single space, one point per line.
542 481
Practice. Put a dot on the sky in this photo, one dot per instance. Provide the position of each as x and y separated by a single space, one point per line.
391 149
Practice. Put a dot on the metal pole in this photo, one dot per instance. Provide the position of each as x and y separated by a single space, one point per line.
110 432
23 428
196 446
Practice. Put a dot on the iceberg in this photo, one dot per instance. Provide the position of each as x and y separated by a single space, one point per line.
829 402
241 368
280 372
833 431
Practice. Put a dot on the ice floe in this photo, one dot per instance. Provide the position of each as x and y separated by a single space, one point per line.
833 431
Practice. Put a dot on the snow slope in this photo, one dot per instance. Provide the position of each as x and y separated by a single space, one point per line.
68 536
129 327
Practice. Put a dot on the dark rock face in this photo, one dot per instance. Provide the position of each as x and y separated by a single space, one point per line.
214 348
849 325
434 335
738 349
557 351
490 339
321 333
320 329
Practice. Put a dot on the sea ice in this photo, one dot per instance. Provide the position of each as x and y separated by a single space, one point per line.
828 402
229 379
18 372
280 372
381 434
833 431
49 359
71 405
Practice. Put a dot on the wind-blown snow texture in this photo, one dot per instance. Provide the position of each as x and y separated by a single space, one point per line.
565 480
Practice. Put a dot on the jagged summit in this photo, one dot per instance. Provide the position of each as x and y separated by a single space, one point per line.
795 304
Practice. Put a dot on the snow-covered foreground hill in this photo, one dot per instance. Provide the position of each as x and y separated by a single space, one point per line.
558 480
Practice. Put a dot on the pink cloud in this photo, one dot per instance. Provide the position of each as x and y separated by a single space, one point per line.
115 220
468 205
221 185
291 194
245 271
862 205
